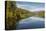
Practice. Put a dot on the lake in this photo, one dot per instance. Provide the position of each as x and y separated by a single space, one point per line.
31 23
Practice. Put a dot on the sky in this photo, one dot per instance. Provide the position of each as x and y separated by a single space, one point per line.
30 6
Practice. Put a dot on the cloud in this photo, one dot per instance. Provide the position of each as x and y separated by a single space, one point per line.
29 9
40 1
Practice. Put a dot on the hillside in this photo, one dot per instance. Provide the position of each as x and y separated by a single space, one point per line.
41 14
24 13
13 16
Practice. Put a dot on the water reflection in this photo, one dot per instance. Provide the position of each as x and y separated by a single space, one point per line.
30 23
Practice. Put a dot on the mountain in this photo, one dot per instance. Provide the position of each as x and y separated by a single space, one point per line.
41 14
24 13
13 16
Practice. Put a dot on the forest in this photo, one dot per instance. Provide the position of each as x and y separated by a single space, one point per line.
14 14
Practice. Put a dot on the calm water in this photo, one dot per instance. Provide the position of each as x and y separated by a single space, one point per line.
30 23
